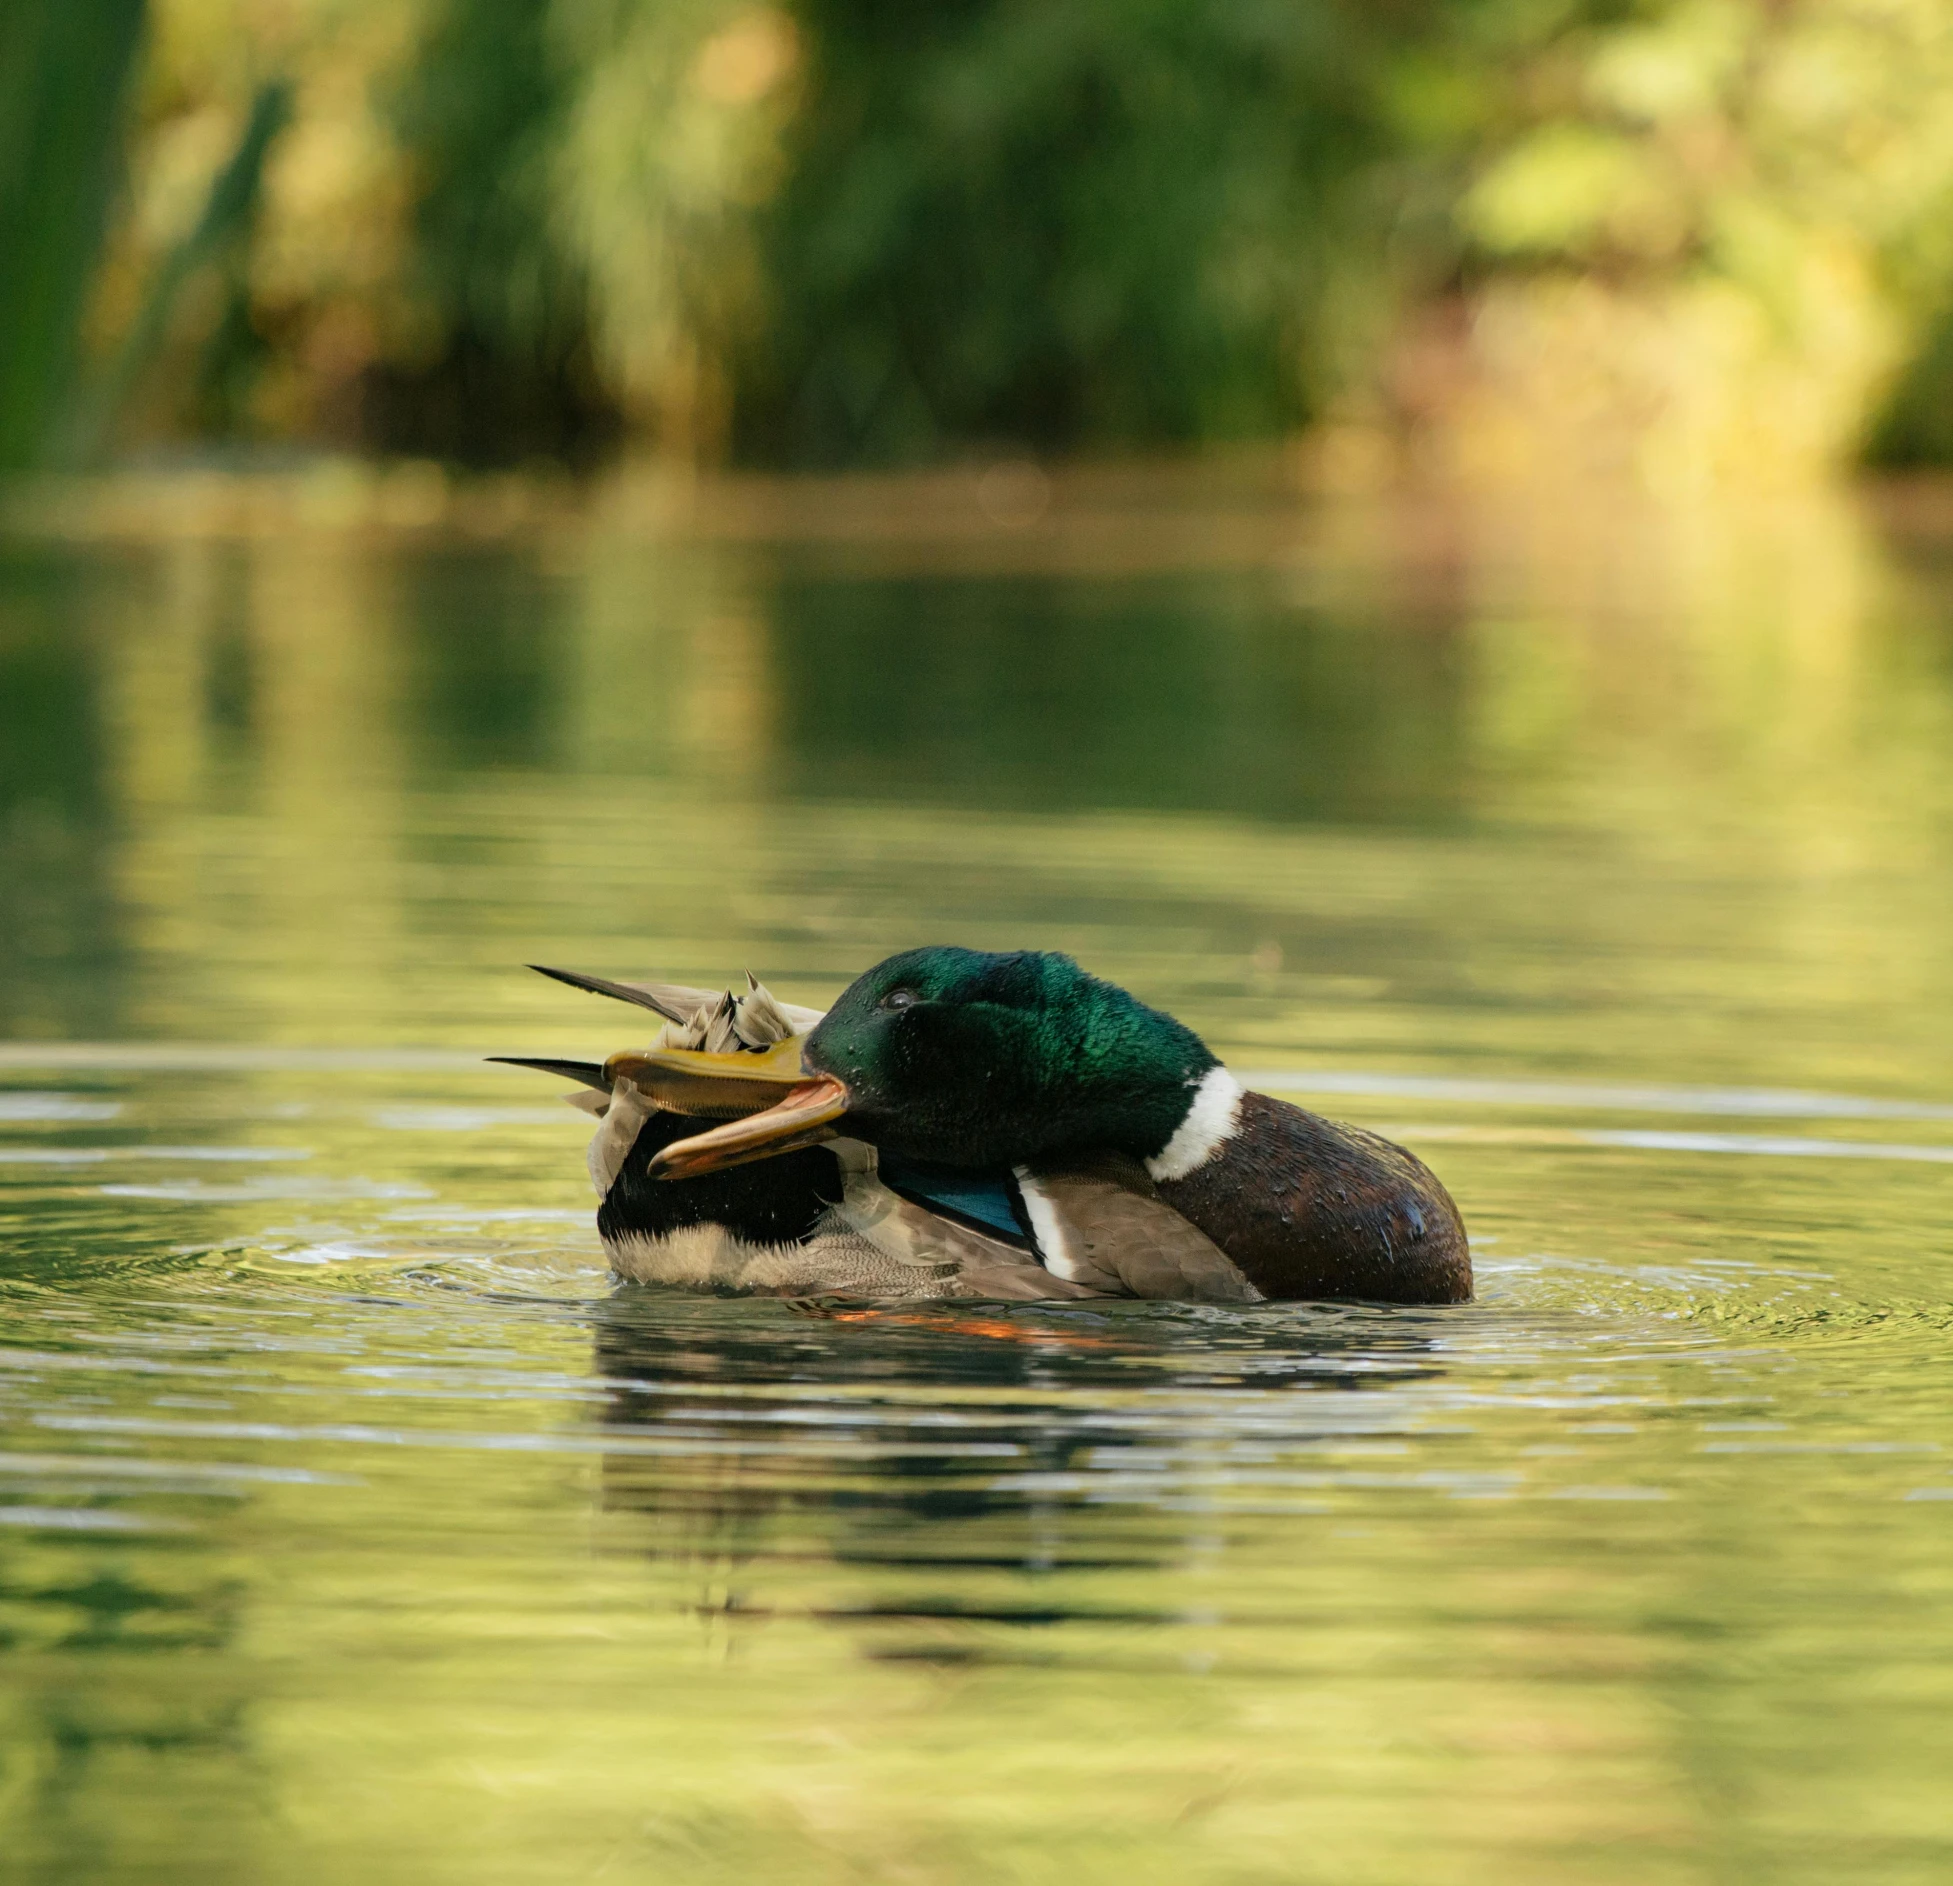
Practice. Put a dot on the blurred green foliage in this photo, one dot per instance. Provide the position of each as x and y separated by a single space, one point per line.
1916 427
217 236
1721 227
64 67
482 110
1699 239
1061 222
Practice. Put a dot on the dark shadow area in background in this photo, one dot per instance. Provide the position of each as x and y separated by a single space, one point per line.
1056 225
1178 694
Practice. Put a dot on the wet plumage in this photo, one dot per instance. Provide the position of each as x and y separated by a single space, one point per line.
817 1221
972 1125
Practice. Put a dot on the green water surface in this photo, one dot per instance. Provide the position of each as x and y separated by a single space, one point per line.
354 1528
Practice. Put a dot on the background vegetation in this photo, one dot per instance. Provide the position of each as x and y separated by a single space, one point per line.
1698 239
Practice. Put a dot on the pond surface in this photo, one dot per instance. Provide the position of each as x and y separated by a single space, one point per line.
354 1528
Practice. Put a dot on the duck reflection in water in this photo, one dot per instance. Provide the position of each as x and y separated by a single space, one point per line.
953 1442
973 1125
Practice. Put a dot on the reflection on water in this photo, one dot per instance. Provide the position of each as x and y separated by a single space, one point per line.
57 929
1214 694
352 1527
482 639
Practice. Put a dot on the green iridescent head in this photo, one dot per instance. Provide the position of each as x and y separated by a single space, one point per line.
970 1058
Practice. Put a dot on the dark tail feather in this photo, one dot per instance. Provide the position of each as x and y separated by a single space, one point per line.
590 1073
669 999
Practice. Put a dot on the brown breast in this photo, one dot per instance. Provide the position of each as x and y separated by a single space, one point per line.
1309 1208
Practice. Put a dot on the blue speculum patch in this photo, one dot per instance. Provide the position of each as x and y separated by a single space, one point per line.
986 1199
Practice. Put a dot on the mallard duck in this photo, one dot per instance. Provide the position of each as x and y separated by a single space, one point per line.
826 1219
1098 1106
981 1125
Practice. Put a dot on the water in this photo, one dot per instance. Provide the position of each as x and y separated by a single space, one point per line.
353 1528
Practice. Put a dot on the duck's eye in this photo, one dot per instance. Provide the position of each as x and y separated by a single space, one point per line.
900 998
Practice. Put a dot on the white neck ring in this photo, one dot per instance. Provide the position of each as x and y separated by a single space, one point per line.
1213 1118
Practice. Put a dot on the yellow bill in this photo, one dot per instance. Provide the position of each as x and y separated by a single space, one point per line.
713 1086
808 1114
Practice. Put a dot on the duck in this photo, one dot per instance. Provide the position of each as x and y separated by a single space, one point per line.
810 1222
1105 1114
991 1124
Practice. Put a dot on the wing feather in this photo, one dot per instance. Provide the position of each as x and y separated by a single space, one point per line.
1100 1221
768 1019
590 1073
675 1001
961 1261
